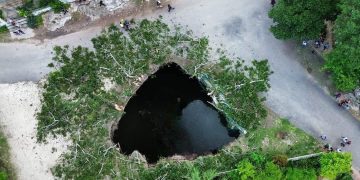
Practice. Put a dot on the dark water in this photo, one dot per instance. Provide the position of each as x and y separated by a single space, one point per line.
170 114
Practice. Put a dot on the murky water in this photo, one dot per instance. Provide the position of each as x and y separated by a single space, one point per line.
170 114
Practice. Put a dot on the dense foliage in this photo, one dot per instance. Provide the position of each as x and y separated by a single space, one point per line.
29 6
75 103
344 61
244 170
26 9
299 19
3 29
34 21
334 164
297 173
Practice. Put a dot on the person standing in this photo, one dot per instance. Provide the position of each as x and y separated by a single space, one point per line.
170 8
272 3
101 3
323 137
158 4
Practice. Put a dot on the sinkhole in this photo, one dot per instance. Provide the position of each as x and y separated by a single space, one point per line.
171 114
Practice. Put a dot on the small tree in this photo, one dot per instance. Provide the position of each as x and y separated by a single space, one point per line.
301 19
244 170
333 164
271 172
34 21
197 175
343 61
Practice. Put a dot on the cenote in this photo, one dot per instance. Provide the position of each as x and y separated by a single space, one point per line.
171 114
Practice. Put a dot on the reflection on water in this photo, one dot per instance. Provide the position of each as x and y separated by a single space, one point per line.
202 126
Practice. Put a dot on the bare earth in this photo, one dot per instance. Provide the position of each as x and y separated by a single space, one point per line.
239 26
18 105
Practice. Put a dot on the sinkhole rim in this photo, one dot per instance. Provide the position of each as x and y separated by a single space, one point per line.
222 117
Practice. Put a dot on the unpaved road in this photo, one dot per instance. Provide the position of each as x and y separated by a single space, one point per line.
240 27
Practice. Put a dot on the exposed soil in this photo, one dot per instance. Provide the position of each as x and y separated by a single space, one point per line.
81 21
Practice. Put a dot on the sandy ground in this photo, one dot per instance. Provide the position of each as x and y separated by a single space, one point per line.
18 104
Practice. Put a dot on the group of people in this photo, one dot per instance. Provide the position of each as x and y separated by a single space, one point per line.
158 4
318 43
344 141
321 41
342 102
125 24
18 30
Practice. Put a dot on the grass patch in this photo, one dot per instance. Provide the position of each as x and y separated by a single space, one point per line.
282 138
6 169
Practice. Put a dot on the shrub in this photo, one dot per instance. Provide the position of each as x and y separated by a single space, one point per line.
58 6
333 164
257 159
271 172
296 173
344 176
3 176
34 21
280 160
3 29
25 10
244 170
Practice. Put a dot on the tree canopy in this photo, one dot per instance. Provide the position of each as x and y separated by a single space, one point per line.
299 19
344 59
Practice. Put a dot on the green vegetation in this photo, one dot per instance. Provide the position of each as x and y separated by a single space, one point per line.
335 164
29 6
343 61
296 173
59 6
3 29
56 5
298 19
275 140
1 14
6 170
85 116
244 170
34 21
75 105
26 9
304 20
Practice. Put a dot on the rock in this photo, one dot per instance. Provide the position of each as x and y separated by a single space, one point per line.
138 157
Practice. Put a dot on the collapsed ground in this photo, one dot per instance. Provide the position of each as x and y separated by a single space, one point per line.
76 105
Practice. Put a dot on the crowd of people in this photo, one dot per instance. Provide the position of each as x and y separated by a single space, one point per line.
329 148
319 43
342 101
17 29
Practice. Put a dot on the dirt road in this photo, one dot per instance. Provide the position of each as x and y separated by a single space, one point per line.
240 27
